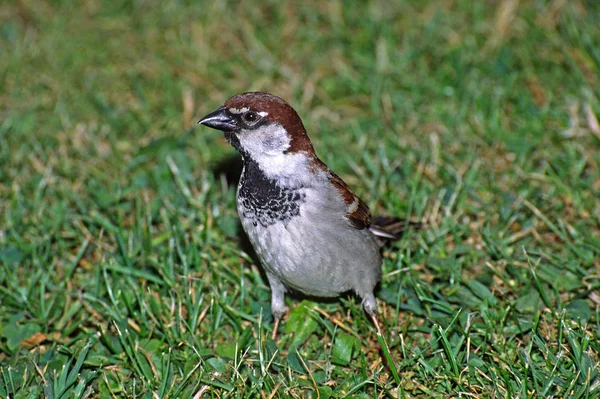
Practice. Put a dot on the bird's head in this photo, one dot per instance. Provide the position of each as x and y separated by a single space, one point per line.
260 126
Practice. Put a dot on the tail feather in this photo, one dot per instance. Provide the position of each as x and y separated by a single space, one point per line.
391 228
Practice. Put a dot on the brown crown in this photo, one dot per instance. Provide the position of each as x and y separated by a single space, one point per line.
278 111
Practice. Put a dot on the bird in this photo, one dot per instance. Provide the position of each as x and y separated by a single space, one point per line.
310 231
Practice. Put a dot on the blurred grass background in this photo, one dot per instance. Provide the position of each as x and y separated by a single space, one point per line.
123 271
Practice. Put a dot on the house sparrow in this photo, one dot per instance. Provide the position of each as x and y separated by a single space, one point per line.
312 233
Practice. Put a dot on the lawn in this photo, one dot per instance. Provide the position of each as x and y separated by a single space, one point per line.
123 268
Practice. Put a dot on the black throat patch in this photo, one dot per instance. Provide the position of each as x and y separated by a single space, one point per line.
262 200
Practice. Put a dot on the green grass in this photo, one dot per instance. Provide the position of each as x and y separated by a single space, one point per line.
123 270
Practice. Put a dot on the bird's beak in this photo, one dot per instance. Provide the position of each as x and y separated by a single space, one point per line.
220 120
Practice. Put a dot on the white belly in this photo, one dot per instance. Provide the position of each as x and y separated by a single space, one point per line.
317 252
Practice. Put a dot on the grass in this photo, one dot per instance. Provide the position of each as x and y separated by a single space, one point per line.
123 270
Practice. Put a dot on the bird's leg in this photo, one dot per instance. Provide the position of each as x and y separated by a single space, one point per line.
376 323
370 305
278 307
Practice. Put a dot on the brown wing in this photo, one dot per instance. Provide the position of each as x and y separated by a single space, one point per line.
358 212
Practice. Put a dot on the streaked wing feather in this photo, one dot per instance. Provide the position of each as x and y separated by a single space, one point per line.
358 212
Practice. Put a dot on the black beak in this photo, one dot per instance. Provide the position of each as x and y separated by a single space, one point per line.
220 120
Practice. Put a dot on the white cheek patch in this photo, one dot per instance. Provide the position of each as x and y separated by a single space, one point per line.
265 141
275 144
267 146
263 113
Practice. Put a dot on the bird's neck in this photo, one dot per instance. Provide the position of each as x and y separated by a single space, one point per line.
286 170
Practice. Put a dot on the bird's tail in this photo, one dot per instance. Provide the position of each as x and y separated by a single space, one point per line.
389 228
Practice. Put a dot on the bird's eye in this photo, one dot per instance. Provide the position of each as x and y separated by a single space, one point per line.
250 117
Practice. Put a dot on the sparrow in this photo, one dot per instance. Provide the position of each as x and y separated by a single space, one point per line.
311 232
